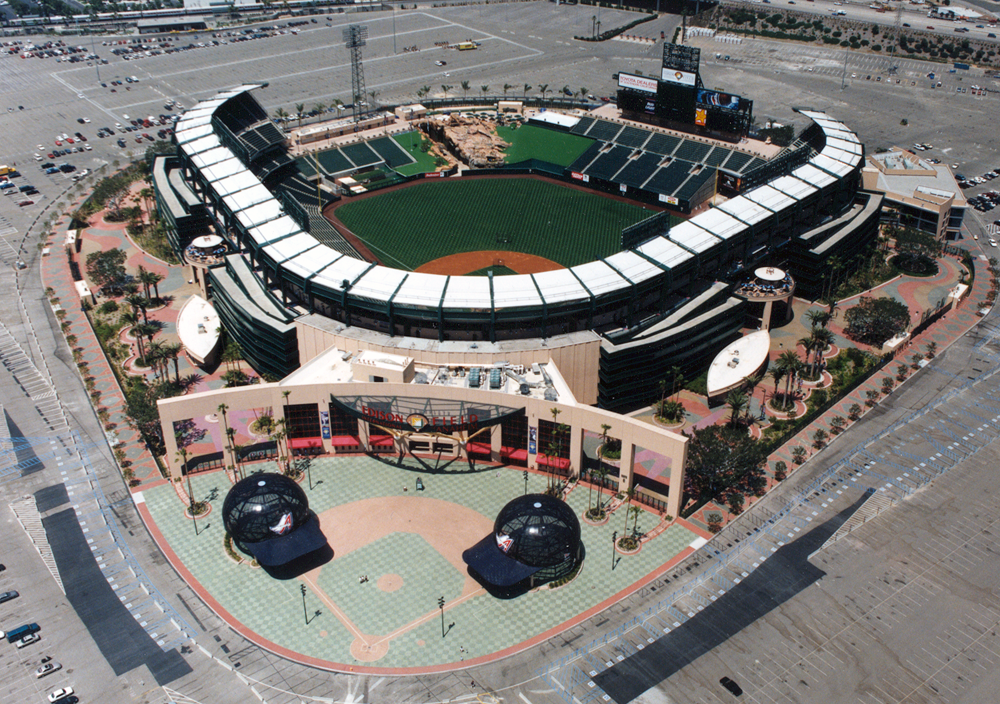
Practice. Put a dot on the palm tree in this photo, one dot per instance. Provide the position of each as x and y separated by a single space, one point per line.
543 89
182 452
485 90
527 87
792 364
128 318
140 332
600 474
737 401
155 279
320 108
154 355
629 493
465 89
445 89
818 318
222 409
374 94
823 338
172 351
147 198
506 87
280 114
299 108
809 343
635 511
663 396
146 278
583 93
777 373
426 90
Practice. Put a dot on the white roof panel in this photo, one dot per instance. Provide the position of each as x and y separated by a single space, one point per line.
845 144
201 145
421 290
770 198
835 167
273 230
195 132
600 277
745 209
189 122
468 292
810 174
719 223
666 252
212 156
223 169
840 155
379 283
560 285
515 292
309 262
260 213
692 237
344 268
794 187
241 200
291 247
239 181
633 267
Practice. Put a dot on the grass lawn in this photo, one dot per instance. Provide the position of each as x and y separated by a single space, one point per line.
430 220
532 142
410 143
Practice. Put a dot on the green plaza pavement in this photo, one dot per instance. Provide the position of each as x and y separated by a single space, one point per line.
482 624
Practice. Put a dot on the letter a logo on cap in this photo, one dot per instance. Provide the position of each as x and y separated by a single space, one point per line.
284 525
504 541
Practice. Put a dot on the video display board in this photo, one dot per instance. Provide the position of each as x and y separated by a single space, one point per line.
678 57
716 99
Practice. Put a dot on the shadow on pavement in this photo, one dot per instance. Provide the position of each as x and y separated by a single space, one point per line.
786 573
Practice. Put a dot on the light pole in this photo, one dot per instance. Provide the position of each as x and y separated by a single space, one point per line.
614 540
441 606
394 28
525 482
305 611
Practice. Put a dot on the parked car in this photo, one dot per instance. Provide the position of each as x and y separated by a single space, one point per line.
47 669
7 596
61 693
31 637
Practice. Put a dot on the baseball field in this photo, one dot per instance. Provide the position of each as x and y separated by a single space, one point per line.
410 226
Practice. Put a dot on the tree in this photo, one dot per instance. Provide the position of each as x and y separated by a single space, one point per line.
777 373
931 349
147 279
319 108
299 109
791 365
723 460
506 87
583 93
737 401
818 318
445 89
138 303
543 89
280 115
107 269
527 87
875 320
172 352
465 89
484 90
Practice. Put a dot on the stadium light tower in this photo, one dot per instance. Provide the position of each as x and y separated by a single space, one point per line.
355 37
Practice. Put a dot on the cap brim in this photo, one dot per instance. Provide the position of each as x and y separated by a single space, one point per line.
285 548
494 566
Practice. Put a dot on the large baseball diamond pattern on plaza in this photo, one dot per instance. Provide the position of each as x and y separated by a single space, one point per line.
409 545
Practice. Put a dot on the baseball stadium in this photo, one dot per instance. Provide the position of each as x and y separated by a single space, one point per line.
425 315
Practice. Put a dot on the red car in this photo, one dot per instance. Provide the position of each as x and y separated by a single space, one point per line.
58 143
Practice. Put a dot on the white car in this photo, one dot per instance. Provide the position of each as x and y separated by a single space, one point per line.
993 242
28 640
47 669
86 119
60 693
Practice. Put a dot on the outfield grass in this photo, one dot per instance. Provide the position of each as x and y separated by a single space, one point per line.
423 222
410 142
532 142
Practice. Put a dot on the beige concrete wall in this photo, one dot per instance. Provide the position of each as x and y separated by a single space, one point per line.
578 362
631 432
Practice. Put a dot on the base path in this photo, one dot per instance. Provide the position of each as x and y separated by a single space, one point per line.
466 262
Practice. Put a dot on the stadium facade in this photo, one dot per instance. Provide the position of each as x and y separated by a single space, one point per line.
293 287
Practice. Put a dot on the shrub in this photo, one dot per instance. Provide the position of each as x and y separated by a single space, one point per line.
714 521
888 383
901 372
854 412
819 439
798 454
735 502
837 424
